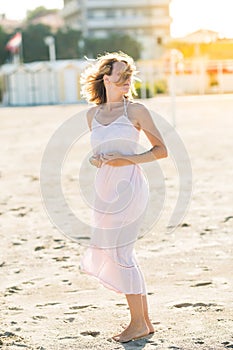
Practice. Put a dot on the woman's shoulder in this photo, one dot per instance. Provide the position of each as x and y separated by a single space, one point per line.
91 111
138 108
90 114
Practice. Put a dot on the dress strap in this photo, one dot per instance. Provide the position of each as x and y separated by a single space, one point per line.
97 111
125 107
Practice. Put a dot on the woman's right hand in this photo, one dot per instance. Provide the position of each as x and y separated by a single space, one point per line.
96 160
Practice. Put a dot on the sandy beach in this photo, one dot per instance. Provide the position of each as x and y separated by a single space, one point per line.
47 304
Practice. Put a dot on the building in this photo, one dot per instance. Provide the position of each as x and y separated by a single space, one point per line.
146 20
9 25
54 20
201 36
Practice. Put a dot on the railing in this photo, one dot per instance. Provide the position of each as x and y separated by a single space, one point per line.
70 9
125 3
197 76
128 22
48 84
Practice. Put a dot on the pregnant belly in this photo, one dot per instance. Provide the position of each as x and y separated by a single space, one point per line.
117 189
113 182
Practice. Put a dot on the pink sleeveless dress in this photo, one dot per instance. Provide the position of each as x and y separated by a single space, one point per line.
120 201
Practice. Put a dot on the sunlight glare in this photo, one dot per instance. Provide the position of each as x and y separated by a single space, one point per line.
189 16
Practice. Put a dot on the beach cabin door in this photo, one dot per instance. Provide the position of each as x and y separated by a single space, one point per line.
70 85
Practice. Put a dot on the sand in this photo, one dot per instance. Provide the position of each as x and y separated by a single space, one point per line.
46 303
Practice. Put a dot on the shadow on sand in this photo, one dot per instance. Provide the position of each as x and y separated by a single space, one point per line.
139 344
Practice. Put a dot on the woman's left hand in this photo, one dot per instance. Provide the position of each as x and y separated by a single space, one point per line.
115 159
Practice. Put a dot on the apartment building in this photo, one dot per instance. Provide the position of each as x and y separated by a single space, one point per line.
148 21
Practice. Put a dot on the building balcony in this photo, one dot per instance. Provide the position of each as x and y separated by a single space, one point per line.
70 9
97 4
127 23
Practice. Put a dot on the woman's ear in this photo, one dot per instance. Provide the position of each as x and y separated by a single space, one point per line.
106 79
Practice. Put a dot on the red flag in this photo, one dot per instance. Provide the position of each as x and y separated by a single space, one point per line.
14 43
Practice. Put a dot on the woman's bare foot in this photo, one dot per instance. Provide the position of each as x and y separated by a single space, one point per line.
133 331
149 325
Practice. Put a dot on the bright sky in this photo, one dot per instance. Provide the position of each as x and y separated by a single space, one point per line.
188 15
17 9
191 15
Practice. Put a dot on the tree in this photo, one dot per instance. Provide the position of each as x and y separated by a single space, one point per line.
34 48
38 12
67 43
4 54
114 42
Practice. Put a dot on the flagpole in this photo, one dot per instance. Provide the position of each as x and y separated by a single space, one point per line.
14 45
21 50
15 58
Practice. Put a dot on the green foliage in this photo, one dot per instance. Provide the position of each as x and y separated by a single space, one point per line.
114 42
1 88
140 87
67 44
38 12
160 87
213 79
34 48
4 37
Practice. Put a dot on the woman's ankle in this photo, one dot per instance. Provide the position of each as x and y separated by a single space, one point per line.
138 322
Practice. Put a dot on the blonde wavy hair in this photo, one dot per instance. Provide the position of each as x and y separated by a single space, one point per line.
92 84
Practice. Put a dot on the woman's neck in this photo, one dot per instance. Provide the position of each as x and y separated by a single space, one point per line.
112 97
114 101
113 105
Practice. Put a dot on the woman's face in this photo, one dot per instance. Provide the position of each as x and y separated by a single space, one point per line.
121 76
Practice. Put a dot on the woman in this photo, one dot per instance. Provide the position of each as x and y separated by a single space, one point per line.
121 190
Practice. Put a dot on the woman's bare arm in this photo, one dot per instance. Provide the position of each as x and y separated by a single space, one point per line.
143 121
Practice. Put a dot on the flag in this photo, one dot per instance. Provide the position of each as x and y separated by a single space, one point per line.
14 43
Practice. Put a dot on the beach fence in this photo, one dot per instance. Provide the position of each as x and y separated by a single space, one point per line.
196 76
43 83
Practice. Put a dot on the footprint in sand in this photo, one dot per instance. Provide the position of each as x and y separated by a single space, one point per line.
39 248
227 218
199 341
70 320
47 304
92 333
181 305
9 339
63 258
78 307
12 290
23 211
201 284
32 177
185 224
59 247
39 317
227 345
68 337
15 308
